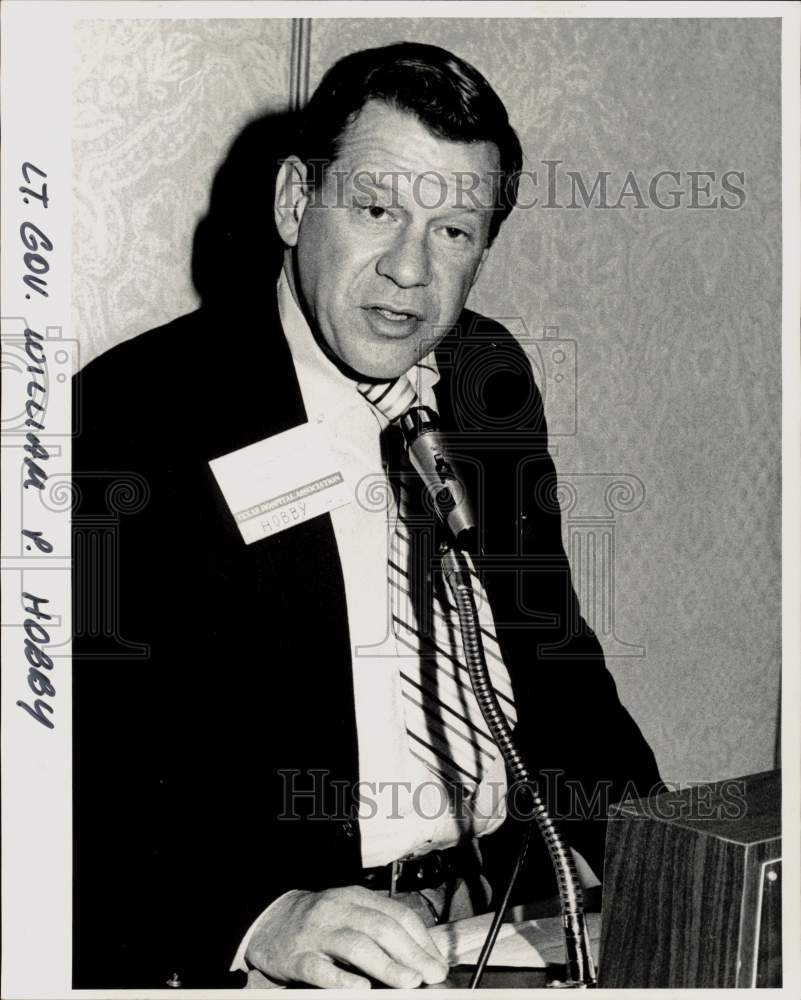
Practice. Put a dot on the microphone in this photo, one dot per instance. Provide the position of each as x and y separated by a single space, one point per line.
426 451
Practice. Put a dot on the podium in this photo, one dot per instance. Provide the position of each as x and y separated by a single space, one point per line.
692 888
692 896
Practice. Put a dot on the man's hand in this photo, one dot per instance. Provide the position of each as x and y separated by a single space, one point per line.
306 936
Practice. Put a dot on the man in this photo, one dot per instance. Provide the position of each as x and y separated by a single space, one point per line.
220 819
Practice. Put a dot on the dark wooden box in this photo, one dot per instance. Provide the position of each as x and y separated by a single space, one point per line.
692 888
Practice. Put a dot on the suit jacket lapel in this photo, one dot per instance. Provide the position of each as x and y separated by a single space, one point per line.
297 572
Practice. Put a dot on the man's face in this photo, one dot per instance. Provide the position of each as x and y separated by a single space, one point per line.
387 251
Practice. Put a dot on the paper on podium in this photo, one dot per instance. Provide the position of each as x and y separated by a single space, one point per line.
531 944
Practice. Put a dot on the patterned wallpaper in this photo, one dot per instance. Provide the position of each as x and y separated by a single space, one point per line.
157 104
655 331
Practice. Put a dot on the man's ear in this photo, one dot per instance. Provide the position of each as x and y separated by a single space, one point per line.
291 198
480 265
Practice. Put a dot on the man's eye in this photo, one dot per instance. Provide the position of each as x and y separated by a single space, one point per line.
377 213
456 234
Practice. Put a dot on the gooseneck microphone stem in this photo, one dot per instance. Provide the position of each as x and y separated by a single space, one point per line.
579 963
428 455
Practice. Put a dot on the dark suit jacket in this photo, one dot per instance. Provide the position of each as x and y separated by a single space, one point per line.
184 757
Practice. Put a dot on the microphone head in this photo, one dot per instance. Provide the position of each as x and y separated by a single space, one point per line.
426 451
418 420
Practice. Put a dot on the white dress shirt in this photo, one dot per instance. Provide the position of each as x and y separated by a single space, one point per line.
405 809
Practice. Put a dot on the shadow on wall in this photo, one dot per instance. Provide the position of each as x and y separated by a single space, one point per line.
236 249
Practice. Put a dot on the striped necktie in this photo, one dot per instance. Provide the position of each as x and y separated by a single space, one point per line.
444 725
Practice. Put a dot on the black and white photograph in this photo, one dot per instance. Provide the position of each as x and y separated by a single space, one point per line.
400 542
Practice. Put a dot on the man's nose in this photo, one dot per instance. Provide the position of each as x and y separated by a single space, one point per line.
407 262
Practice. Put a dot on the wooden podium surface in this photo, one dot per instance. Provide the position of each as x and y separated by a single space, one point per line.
692 888
495 979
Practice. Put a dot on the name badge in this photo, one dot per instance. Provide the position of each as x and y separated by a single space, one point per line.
280 482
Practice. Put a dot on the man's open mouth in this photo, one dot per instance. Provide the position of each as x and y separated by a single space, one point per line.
389 321
392 315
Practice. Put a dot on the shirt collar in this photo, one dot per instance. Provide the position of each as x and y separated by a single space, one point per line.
332 389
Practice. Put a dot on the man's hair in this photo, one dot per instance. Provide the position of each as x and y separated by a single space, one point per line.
448 95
